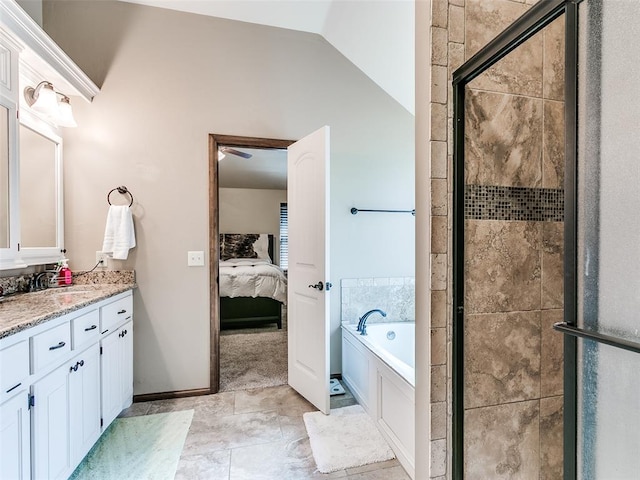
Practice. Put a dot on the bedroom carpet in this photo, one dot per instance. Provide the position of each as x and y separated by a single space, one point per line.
253 360
347 438
134 448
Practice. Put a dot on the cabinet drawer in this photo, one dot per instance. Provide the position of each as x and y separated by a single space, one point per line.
14 366
48 346
85 329
116 313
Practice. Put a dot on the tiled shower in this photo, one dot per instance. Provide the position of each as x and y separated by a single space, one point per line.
513 263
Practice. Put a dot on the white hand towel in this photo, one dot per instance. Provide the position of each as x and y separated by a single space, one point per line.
119 235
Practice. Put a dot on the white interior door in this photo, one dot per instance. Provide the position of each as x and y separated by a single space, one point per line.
308 301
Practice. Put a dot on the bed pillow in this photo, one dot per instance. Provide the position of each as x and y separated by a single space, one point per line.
244 245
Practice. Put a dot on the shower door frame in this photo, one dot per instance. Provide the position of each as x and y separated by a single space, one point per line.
533 21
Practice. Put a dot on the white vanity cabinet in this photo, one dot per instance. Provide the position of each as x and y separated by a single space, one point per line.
15 436
58 380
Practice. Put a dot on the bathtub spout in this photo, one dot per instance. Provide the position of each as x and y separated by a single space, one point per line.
362 323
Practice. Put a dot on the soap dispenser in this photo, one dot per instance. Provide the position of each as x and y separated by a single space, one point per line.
64 275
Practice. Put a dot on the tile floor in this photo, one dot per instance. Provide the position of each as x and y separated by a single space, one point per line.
255 435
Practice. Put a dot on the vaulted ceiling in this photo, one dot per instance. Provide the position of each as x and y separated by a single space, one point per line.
375 35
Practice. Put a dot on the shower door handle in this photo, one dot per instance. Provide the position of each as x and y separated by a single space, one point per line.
317 286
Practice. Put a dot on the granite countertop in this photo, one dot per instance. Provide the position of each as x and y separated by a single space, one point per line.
24 310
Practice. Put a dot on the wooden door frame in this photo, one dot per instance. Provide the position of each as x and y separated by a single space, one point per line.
215 141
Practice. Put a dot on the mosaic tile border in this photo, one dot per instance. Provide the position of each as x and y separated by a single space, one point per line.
484 202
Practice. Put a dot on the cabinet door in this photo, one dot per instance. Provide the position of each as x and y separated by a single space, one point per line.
51 447
15 438
111 368
117 372
127 365
84 402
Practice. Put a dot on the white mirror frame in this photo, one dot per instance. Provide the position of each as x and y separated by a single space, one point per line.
41 255
9 257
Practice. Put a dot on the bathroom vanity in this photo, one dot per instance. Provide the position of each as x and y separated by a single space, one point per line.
66 372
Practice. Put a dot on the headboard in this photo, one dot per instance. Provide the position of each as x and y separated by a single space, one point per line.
246 245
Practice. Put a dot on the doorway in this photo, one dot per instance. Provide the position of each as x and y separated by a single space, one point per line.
267 242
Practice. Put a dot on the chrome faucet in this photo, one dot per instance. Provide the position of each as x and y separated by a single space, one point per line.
362 322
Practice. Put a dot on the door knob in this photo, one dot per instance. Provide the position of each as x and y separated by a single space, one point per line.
317 286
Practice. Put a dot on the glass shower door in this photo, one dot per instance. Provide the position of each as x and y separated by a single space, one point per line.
607 286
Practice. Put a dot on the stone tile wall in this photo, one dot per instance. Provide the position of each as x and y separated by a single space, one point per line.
394 296
514 265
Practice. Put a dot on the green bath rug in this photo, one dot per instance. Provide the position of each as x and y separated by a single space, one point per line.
145 447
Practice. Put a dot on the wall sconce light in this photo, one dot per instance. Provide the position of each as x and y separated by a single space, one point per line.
43 98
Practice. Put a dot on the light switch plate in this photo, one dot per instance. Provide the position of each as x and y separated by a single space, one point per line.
195 259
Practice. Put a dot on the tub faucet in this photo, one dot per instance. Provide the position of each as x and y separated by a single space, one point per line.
362 323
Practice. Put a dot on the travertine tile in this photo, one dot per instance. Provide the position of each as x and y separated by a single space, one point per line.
439 46
438 159
438 420
218 404
373 466
501 358
438 457
208 465
552 355
551 435
271 398
502 266
392 473
171 405
438 383
503 144
277 460
439 83
439 196
519 73
439 234
439 271
456 58
438 122
552 265
502 442
438 346
438 308
141 408
456 24
439 13
553 134
221 433
553 35
487 18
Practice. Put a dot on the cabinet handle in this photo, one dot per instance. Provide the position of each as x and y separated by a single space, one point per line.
128 318
82 363
122 311
74 368
92 327
60 345
14 387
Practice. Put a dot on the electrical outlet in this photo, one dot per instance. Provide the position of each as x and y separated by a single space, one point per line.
102 257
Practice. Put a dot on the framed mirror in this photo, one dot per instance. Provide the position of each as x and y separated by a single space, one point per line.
40 187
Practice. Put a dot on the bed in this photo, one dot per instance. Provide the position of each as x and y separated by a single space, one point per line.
253 289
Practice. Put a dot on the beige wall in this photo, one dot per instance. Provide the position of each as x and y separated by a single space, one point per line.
251 210
168 80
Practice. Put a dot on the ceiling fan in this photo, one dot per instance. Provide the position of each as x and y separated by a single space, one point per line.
222 151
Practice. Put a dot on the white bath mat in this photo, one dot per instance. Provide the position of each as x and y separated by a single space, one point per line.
335 388
347 438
